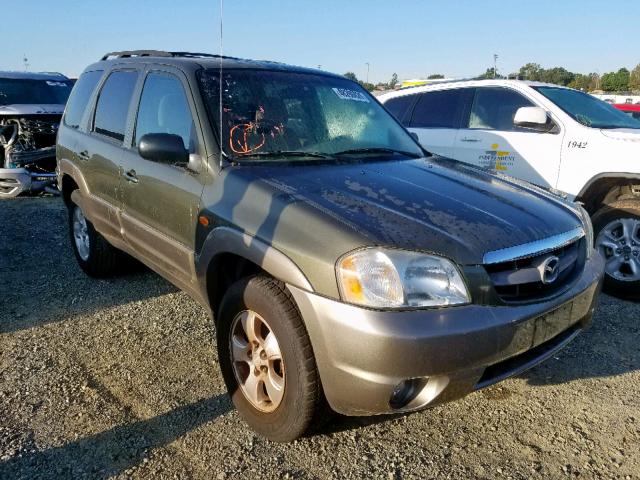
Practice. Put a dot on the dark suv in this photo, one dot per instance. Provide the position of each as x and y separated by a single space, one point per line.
340 261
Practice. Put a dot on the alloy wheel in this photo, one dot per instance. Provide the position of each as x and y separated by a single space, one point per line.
81 234
619 244
257 361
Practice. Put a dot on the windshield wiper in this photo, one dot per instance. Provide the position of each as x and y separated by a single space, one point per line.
283 153
377 150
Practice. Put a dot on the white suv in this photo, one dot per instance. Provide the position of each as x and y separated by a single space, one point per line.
551 136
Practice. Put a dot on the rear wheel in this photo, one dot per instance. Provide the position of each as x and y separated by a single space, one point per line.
617 232
266 359
94 254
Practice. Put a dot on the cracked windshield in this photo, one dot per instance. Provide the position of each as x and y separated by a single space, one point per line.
269 114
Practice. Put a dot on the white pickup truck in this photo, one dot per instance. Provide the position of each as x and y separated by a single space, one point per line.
552 136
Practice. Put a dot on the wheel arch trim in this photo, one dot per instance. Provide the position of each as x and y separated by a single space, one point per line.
227 240
68 168
603 176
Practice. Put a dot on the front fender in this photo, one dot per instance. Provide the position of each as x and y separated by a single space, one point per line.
222 240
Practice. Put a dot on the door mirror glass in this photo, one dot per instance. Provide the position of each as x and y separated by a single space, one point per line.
163 148
534 118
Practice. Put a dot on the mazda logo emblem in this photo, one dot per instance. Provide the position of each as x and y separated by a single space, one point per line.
550 269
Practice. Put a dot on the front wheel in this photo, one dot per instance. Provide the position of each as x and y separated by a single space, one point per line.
617 231
266 359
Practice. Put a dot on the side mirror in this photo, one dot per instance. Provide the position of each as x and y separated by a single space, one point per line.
414 135
533 118
163 148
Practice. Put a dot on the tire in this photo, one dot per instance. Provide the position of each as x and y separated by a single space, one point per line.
284 416
616 230
94 254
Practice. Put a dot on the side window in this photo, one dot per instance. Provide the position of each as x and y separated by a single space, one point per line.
439 109
494 108
164 109
77 103
113 104
399 106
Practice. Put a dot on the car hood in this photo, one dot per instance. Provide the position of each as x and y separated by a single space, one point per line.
628 134
434 205
31 109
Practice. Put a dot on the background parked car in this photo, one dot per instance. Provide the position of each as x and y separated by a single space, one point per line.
629 109
552 136
31 106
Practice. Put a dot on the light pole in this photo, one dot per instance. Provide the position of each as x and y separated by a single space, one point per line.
367 64
495 65
25 60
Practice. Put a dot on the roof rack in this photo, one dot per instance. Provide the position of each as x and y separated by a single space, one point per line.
159 53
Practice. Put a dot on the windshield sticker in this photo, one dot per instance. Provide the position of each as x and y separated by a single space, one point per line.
51 83
346 94
495 159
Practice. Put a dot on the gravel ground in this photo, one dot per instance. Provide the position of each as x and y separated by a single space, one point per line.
119 378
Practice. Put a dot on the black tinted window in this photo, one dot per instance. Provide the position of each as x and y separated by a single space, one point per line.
80 95
398 106
27 91
438 109
164 109
113 104
494 108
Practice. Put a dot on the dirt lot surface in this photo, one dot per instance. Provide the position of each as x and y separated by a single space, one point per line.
119 378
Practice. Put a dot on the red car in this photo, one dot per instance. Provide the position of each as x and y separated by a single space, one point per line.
631 109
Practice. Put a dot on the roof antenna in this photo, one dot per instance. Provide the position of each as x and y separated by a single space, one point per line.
220 78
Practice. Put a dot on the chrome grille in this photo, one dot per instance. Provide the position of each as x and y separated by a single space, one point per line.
539 275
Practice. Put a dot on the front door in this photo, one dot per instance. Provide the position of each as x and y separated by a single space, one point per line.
161 201
490 139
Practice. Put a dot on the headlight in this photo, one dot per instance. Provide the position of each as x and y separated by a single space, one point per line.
588 228
388 278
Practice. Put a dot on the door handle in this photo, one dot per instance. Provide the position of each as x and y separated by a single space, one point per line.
84 155
130 176
470 140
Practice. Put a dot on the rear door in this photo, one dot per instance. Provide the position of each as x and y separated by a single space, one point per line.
160 201
436 119
490 139
101 152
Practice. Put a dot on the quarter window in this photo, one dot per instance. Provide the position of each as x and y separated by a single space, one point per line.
439 109
79 98
495 108
113 104
399 106
164 109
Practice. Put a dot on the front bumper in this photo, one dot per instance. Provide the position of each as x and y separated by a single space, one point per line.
362 354
14 181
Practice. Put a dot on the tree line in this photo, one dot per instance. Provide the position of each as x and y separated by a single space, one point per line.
621 81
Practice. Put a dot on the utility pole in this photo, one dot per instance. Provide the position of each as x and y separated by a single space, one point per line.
367 64
495 65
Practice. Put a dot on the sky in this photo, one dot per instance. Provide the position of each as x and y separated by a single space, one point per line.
412 38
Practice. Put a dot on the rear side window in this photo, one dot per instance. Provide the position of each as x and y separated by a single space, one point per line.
164 109
494 109
79 98
113 104
399 106
439 109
